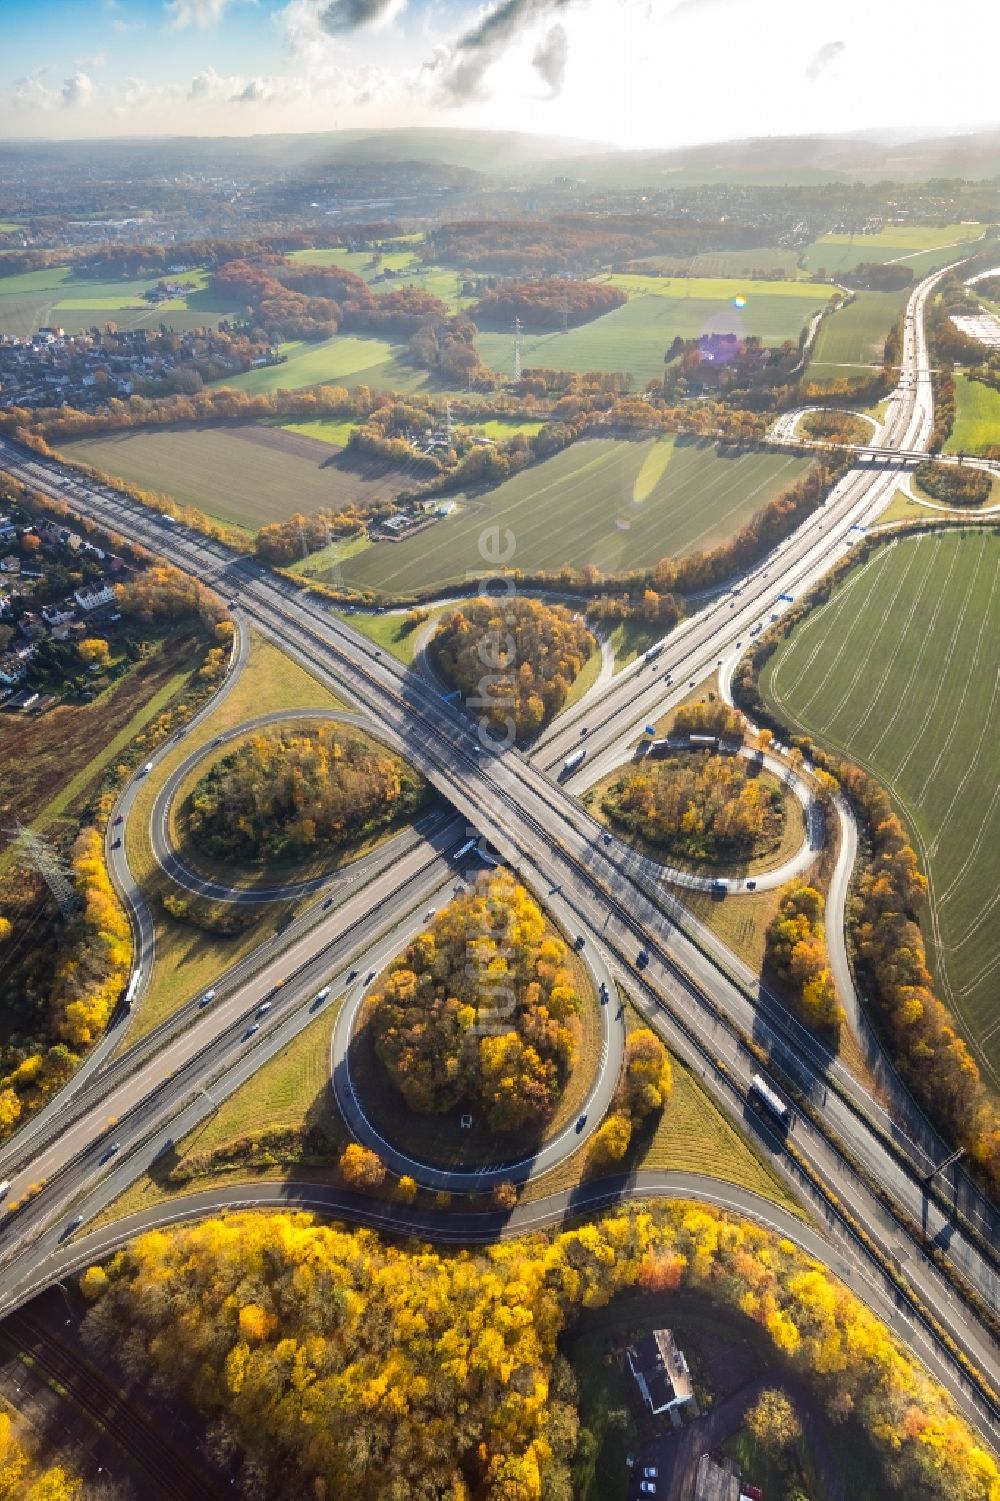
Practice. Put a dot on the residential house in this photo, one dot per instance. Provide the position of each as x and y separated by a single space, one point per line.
661 1374
94 599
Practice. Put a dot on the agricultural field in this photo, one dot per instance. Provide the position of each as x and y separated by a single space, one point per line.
852 340
346 359
730 262
977 416
920 247
57 296
898 670
246 475
613 503
636 337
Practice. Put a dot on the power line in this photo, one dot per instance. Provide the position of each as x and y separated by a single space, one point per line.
49 866
517 349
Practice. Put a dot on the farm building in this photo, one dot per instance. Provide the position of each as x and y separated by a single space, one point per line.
661 1374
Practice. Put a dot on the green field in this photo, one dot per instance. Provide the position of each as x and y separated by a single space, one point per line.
852 340
616 504
57 296
977 416
335 430
919 246
730 262
245 475
723 289
506 427
899 671
345 359
635 338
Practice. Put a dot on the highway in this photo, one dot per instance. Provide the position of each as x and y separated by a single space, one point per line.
539 828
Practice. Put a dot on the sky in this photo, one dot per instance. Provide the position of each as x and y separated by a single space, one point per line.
635 73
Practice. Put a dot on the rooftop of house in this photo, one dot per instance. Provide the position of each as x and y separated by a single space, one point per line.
660 1370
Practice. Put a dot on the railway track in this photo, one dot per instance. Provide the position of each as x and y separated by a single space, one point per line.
168 1471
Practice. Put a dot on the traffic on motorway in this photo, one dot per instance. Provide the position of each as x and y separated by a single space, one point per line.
824 1142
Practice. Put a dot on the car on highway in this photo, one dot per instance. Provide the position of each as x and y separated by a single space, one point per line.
112 1151
751 885
116 844
369 977
264 1008
250 1031
120 818
647 1487
581 1121
4 1188
71 1225
146 769
321 995
328 904
207 998
352 974
642 960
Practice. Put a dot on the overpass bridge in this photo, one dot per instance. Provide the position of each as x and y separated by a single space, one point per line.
876 456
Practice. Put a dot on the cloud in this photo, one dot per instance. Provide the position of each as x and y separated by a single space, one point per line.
32 92
550 57
199 13
479 48
821 60
78 91
338 17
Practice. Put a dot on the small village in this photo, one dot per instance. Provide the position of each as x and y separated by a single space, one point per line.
57 591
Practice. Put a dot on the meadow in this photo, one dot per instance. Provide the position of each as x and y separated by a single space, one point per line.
245 475
853 339
613 503
920 247
977 416
898 670
636 337
346 359
57 296
730 262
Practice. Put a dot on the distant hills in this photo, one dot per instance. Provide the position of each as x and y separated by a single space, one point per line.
500 155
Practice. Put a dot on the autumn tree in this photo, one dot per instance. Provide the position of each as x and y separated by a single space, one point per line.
94 651
480 1010
696 806
773 1421
514 661
290 789
342 1364
612 1139
360 1167
648 1077
796 950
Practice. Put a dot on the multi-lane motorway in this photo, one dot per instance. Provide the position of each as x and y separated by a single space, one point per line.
843 1149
